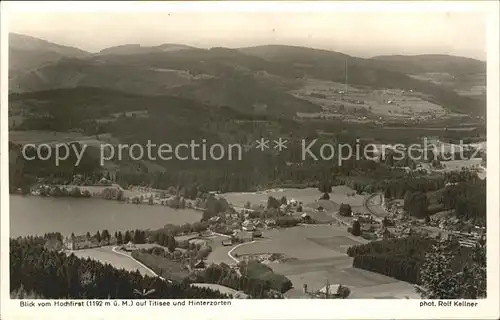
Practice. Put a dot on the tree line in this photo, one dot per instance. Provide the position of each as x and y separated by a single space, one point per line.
397 258
443 269
256 279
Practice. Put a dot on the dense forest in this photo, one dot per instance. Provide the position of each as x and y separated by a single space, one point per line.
131 118
453 272
443 269
468 199
397 258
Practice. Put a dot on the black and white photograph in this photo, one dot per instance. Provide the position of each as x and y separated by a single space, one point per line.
175 156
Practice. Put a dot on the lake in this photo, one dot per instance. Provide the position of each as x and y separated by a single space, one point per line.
31 215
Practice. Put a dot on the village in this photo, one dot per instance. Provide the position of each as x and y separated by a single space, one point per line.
228 237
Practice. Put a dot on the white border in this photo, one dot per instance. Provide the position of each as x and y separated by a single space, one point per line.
272 309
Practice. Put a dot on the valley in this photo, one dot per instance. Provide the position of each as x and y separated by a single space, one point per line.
271 224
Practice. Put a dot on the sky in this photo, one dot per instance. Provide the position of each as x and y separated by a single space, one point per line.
362 34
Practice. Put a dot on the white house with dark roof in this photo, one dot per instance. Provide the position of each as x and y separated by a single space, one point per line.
247 226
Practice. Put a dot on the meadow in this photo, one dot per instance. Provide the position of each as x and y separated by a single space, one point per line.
380 102
120 260
308 196
318 255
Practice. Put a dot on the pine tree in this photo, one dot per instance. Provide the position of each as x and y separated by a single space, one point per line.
105 235
127 237
356 228
472 279
119 238
171 244
436 275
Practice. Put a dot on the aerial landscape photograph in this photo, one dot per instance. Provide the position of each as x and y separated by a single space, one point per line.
247 155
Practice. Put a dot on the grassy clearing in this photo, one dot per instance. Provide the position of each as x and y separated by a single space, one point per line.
307 196
39 136
293 242
334 242
106 255
320 255
53 137
164 267
325 94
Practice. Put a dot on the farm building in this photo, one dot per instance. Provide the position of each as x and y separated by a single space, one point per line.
129 246
330 291
248 226
305 217
205 234
80 242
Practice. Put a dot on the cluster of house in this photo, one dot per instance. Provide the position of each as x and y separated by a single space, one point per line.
444 228
363 217
85 242
80 242
329 291
395 207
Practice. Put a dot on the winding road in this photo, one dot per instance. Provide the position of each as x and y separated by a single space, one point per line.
377 210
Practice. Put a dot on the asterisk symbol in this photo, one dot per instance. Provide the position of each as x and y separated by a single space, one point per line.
262 144
280 144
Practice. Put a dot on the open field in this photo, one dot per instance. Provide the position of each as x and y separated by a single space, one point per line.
390 102
220 253
454 165
162 266
52 138
306 196
466 85
319 253
40 136
98 189
457 165
119 261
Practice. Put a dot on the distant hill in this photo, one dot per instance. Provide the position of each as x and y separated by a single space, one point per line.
27 53
251 80
246 94
435 63
217 76
378 73
318 62
138 49
74 73
292 54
